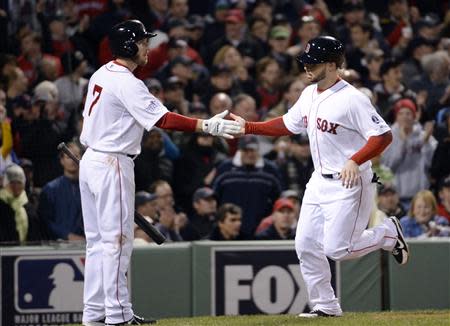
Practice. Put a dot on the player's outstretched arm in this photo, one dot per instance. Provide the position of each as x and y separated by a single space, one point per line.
273 127
216 126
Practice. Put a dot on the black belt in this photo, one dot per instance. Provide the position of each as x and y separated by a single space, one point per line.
331 176
375 178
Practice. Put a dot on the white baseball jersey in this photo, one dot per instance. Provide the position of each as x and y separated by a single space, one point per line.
118 108
339 122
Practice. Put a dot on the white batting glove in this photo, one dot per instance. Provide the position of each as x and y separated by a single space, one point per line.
218 126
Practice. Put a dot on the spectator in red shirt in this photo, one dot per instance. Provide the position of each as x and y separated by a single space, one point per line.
444 198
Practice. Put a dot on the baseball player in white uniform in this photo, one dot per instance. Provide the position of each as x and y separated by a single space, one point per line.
118 108
345 132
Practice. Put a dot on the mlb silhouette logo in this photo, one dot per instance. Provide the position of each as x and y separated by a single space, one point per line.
49 284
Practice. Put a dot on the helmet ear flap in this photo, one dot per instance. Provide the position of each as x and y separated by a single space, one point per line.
130 48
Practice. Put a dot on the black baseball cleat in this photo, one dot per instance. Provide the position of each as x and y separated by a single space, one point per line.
136 320
316 313
401 250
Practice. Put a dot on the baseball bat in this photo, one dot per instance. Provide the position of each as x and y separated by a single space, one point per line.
140 220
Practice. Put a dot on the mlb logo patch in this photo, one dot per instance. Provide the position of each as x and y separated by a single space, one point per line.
49 284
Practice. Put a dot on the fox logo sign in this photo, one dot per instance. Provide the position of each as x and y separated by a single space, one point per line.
248 282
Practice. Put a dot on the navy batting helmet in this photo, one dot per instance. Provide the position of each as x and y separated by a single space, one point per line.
323 49
123 38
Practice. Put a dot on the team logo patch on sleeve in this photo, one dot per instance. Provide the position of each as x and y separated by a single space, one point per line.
375 119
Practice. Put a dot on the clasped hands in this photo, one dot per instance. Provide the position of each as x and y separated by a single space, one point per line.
218 126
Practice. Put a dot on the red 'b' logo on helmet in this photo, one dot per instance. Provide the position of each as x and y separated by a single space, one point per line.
307 48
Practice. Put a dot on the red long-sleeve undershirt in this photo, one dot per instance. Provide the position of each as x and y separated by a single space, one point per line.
374 146
276 127
175 121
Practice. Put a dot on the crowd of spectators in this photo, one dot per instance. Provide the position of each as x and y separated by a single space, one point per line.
210 56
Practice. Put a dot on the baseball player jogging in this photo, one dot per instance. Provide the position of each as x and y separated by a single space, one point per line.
344 132
118 108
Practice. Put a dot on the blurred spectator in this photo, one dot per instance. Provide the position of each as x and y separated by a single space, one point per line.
30 60
411 67
219 103
23 225
228 226
174 95
60 202
297 169
196 30
439 164
169 222
72 86
307 29
151 13
215 26
145 204
372 61
263 9
388 201
258 188
409 155
443 208
282 220
259 30
16 86
6 139
434 82
279 42
290 91
200 158
396 25
178 9
201 221
391 89
152 164
235 35
268 72
422 220
221 80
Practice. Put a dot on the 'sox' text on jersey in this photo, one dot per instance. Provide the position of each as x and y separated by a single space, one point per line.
325 126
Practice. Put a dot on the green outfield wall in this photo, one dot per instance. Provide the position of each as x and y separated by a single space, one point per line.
216 278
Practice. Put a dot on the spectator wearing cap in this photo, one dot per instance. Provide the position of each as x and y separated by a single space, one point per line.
434 82
388 201
390 89
155 87
72 86
174 95
282 220
229 224
361 42
196 31
201 221
291 90
298 167
410 153
200 157
60 201
235 25
256 178
20 222
145 204
279 38
422 220
443 207
215 27
152 164
372 61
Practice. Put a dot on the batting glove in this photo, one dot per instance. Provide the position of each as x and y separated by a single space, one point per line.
218 126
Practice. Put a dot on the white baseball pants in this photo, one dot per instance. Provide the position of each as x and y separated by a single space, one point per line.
107 198
333 223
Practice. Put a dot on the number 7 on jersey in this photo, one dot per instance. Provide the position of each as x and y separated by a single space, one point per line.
97 89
